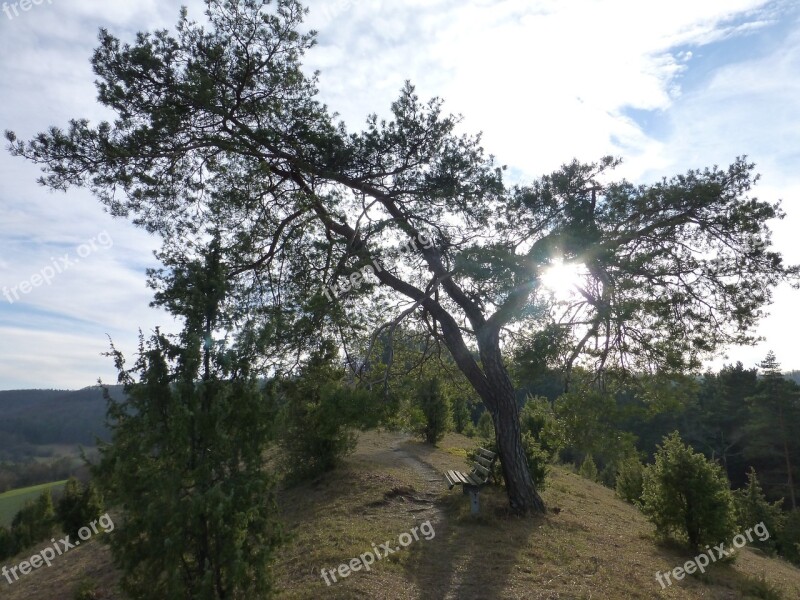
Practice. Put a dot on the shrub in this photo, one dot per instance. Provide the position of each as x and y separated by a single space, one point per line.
470 430
789 537
460 412
6 543
34 523
629 480
78 506
538 418
684 494
759 587
319 429
752 508
86 590
485 426
187 465
436 410
538 460
320 416
588 469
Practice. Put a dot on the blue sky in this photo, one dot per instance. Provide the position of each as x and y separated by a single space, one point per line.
667 85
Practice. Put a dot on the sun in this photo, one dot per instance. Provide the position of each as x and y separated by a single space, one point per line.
562 279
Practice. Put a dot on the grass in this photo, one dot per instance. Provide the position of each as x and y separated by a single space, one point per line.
12 501
590 545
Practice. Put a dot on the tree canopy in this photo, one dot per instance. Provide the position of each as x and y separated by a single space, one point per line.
219 132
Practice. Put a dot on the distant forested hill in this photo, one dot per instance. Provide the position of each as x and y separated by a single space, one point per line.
36 417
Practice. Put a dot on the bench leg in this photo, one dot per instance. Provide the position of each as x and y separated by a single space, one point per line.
473 499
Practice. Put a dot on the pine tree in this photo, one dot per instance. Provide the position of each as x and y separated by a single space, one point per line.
436 409
460 410
588 468
752 508
774 427
222 120
719 420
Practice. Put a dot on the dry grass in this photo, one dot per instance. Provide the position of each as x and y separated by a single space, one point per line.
589 546
91 561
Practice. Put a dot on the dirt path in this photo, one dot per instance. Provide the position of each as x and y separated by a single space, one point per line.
431 483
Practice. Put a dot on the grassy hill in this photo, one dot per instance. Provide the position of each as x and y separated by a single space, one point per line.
12 501
590 545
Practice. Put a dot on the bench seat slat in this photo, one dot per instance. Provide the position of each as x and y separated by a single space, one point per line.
481 479
454 478
464 478
474 480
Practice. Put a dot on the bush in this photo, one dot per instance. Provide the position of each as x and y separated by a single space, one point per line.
470 430
86 590
320 416
319 429
6 543
486 426
538 460
759 587
752 508
686 495
78 506
538 418
460 412
629 481
588 469
789 537
34 523
436 410
187 466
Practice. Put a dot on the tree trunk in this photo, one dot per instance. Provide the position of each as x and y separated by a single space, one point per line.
522 495
502 403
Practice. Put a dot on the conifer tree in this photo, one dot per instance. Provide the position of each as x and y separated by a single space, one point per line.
185 465
774 428
685 494
752 508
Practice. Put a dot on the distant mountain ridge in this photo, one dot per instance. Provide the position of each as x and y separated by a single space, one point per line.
53 416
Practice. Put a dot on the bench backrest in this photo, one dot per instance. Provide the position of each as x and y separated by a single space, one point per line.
482 469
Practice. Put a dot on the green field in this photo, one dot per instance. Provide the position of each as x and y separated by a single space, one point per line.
11 502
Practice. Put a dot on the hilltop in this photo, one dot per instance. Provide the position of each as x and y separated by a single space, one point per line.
589 545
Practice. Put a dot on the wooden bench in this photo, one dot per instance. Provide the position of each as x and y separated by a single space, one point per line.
473 481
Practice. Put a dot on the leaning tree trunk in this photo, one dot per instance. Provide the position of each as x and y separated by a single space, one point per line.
502 403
